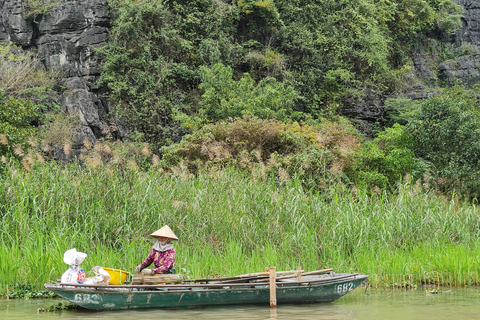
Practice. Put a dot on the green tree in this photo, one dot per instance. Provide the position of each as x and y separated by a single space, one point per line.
447 134
17 117
338 49
226 98
152 59
384 161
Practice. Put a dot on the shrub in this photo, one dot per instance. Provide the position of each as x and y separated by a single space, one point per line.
16 119
21 77
314 155
57 131
152 59
36 8
259 20
226 98
266 64
399 110
446 133
384 161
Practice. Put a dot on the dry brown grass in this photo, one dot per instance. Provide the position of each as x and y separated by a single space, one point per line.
146 150
3 139
283 175
20 71
67 148
58 131
94 161
155 160
87 143
263 146
18 151
34 8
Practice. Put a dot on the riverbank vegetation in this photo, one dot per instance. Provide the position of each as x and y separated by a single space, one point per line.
232 134
230 223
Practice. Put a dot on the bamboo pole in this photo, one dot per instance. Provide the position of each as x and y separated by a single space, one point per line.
8 294
265 273
317 272
297 275
273 292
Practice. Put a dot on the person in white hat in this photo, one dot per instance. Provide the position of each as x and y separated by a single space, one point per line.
162 254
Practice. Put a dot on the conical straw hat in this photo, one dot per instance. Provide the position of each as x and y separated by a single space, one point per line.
166 232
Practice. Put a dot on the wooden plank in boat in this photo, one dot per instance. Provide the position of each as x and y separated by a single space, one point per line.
157 279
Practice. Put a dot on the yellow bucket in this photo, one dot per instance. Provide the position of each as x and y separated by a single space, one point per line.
116 276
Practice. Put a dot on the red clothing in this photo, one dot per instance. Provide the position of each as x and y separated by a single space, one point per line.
162 260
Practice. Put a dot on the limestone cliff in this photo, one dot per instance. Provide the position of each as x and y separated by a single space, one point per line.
428 71
66 39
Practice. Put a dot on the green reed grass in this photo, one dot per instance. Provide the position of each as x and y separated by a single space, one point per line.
229 223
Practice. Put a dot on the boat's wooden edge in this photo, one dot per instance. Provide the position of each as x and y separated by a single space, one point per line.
210 285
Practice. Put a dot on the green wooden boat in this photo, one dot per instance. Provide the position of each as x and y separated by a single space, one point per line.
237 290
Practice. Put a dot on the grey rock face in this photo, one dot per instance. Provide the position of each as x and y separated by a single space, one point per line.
66 40
81 104
13 26
69 35
465 69
470 32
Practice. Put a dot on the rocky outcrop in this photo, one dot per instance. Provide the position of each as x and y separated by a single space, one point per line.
466 68
13 25
470 31
428 72
66 40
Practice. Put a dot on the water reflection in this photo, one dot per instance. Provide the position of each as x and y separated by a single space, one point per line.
460 304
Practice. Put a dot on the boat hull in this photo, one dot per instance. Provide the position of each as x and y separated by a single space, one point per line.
102 298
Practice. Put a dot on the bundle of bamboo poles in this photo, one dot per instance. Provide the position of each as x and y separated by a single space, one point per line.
270 275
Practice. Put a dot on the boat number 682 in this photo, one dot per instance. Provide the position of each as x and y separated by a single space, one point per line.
346 287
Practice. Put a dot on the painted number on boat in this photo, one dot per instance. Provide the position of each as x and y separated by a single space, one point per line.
86 298
343 288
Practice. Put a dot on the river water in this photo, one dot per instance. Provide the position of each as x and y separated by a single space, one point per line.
447 303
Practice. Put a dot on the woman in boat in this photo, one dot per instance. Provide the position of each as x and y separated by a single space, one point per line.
162 254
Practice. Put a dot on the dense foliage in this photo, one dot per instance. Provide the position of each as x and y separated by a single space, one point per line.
24 89
387 159
16 117
228 224
318 156
249 83
225 98
152 60
446 133
162 61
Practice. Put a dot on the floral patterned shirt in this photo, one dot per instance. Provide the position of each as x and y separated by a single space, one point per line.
163 260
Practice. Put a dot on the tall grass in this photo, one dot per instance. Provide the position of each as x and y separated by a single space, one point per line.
229 223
